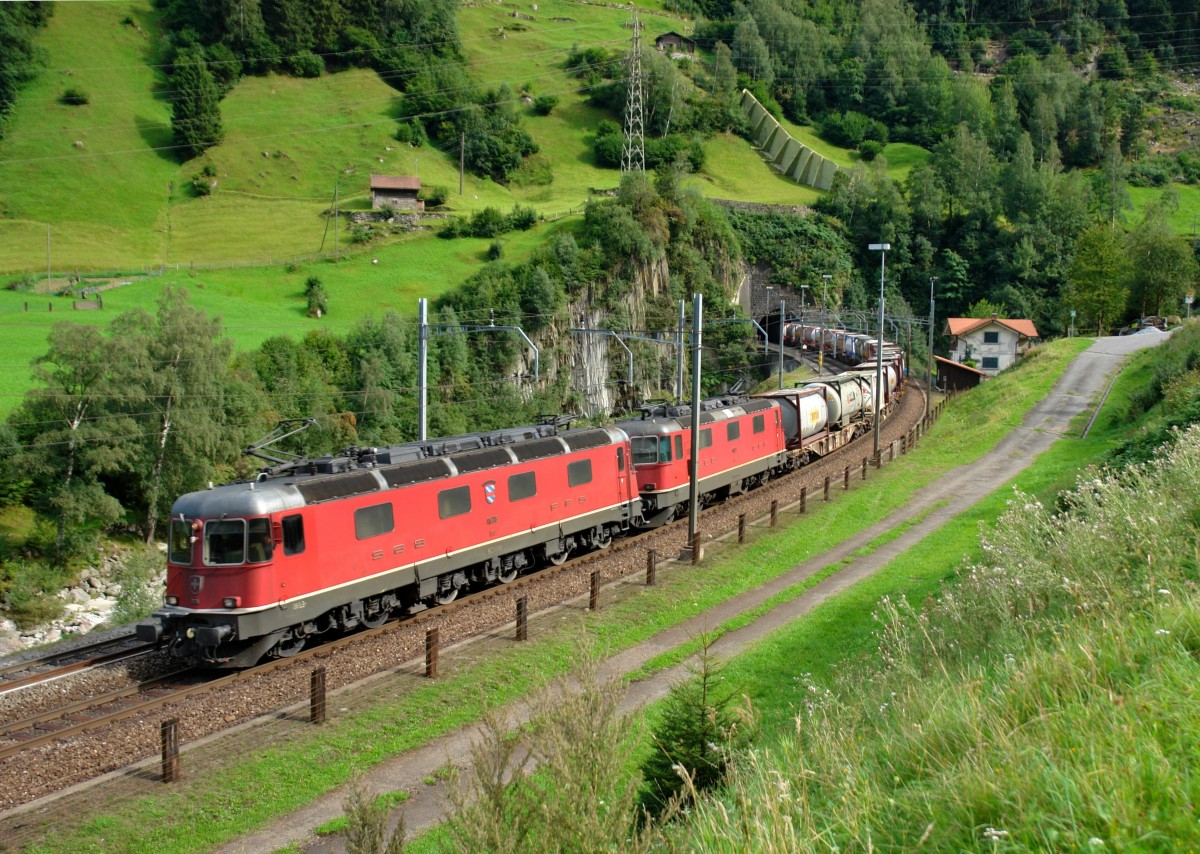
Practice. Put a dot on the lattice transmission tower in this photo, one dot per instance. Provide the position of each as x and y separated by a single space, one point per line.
633 152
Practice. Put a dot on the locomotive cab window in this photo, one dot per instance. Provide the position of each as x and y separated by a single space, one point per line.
733 431
678 446
645 450
522 485
260 547
620 459
706 438
180 537
759 423
454 502
579 472
225 542
373 521
293 535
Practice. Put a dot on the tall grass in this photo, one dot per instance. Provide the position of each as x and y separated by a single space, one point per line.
1043 702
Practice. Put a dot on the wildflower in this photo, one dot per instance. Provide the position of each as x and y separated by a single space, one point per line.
1162 631
994 834
1096 841
1164 591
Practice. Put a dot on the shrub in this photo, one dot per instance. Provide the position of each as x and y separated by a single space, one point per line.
412 132
850 128
487 223
204 181
435 196
315 296
307 64
1153 171
30 589
74 97
495 250
543 105
870 149
522 218
140 593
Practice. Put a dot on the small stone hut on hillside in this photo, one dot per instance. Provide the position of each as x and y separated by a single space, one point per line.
396 191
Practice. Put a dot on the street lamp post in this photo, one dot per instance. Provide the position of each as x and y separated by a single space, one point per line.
782 309
766 337
825 277
929 385
882 249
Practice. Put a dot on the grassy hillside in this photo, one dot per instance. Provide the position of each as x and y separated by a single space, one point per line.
105 179
90 171
257 303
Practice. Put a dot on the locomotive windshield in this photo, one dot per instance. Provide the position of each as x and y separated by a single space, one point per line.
234 541
180 537
651 449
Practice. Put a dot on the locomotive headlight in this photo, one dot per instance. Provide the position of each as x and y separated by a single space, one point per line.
231 601
191 633
172 600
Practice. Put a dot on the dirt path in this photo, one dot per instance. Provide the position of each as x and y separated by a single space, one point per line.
1079 387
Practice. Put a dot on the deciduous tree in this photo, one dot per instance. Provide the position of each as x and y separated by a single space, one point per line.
1097 287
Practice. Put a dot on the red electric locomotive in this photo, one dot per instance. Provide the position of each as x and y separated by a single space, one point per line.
257 568
741 442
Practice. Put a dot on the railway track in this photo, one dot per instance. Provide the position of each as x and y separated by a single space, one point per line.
55 665
142 706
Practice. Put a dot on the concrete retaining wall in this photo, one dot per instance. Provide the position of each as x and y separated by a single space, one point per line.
785 153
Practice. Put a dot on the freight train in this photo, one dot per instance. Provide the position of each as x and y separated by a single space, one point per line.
312 547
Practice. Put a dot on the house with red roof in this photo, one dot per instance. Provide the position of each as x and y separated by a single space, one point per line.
991 343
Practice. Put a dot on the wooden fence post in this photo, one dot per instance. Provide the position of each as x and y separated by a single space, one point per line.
594 591
170 750
803 498
431 652
774 512
316 696
522 618
651 566
741 528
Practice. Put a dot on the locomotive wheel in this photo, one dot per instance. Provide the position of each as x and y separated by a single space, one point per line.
604 540
377 620
560 558
288 647
508 576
